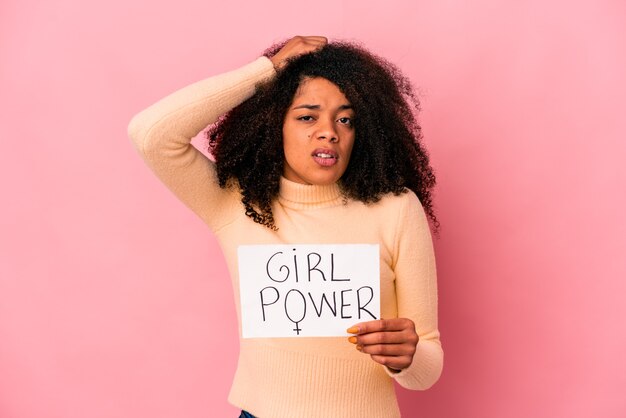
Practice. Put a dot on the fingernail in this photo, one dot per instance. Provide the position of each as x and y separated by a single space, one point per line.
353 330
359 347
352 340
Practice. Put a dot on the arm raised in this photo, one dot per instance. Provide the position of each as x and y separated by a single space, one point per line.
162 135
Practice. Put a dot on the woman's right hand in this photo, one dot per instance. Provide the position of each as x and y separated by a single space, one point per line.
297 45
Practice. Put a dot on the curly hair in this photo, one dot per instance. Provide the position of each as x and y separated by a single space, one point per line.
387 157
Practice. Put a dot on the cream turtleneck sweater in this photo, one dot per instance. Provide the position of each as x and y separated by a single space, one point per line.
300 377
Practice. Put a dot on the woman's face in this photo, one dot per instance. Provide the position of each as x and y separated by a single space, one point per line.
318 133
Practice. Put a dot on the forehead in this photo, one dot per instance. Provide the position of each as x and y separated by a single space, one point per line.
319 89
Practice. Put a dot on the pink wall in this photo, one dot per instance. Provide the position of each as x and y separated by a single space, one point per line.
113 297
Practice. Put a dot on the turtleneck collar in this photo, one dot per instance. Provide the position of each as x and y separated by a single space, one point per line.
304 196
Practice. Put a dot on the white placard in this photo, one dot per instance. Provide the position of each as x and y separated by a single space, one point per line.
307 290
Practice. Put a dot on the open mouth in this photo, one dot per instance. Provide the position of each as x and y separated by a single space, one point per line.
325 157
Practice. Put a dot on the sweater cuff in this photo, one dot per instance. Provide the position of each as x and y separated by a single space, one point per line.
262 66
425 369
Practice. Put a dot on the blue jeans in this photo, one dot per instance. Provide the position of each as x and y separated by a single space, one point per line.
246 414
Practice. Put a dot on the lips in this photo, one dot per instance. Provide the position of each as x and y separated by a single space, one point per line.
325 157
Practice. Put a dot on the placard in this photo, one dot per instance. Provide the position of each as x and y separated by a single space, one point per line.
307 290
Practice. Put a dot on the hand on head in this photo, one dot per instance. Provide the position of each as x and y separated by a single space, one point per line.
298 45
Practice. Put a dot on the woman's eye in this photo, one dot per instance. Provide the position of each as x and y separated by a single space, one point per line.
345 121
306 118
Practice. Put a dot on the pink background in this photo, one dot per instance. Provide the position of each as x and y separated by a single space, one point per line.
114 300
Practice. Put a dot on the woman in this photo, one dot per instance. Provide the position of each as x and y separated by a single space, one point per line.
313 143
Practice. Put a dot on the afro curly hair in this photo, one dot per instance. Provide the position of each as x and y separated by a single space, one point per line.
387 157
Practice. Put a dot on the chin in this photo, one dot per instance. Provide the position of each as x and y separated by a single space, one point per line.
324 180
314 177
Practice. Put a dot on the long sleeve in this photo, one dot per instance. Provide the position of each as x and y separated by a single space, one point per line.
162 134
416 290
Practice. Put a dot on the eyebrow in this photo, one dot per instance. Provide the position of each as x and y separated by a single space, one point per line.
317 107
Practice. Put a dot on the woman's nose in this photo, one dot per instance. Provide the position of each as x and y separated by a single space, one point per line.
327 131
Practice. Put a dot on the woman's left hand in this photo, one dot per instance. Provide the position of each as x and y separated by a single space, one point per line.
391 342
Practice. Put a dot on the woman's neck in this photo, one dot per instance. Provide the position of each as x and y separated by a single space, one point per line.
305 196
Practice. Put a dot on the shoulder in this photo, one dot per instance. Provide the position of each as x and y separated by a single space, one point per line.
405 203
406 217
